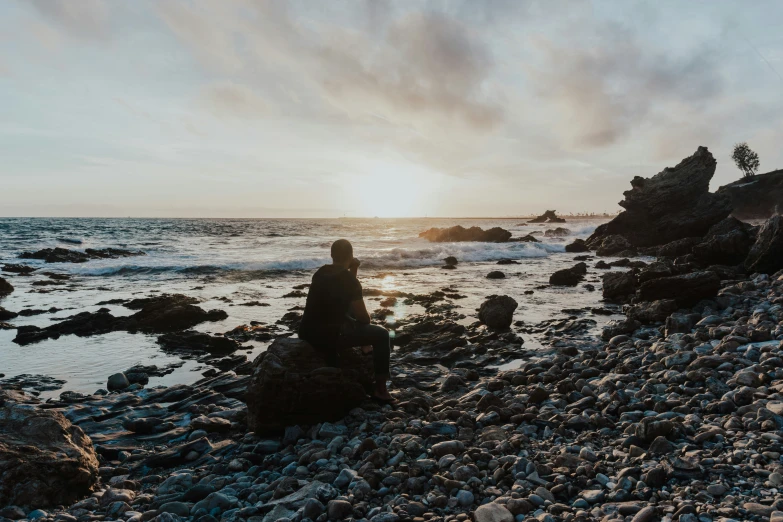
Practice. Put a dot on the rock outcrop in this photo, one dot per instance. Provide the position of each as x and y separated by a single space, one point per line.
766 255
5 287
497 311
577 246
44 459
674 204
291 385
547 217
726 243
759 197
459 233
569 276
63 255
685 289
160 314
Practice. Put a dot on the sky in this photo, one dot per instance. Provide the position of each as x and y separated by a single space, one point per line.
254 108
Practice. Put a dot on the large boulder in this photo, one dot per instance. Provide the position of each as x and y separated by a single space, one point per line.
44 459
618 285
577 246
759 197
674 204
5 287
291 384
766 255
460 233
726 243
685 289
569 276
497 311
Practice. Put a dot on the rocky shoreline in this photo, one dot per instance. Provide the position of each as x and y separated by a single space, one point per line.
674 413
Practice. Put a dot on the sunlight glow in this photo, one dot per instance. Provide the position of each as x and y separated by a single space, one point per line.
388 192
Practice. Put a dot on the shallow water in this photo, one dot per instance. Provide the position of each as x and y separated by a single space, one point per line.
257 260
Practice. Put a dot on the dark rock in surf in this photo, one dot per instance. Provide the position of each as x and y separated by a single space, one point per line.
674 204
161 314
7 314
507 262
44 459
547 217
5 287
496 274
292 385
569 276
18 269
459 234
190 341
497 311
685 289
557 232
168 313
766 255
578 245
63 255
524 239
451 260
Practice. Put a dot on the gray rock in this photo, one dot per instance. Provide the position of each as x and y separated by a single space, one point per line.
118 381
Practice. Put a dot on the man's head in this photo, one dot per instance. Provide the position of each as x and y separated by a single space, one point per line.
342 252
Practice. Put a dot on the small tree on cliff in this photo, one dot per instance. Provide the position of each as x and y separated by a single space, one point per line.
747 160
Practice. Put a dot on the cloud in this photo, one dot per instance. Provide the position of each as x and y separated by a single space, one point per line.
414 67
230 99
605 84
80 18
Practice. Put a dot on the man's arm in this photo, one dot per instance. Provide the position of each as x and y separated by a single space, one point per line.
359 312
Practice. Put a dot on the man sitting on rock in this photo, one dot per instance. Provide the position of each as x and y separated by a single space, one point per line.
335 316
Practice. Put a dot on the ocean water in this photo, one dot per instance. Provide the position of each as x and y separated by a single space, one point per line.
228 262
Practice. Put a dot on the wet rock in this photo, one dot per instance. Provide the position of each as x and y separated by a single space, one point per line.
291 384
557 232
188 341
578 245
766 255
496 274
118 381
44 459
7 314
15 268
63 255
674 204
569 276
497 311
5 287
459 233
161 314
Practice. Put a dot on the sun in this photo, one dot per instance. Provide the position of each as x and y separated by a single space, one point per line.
389 193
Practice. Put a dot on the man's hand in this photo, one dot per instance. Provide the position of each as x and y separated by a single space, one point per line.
354 266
